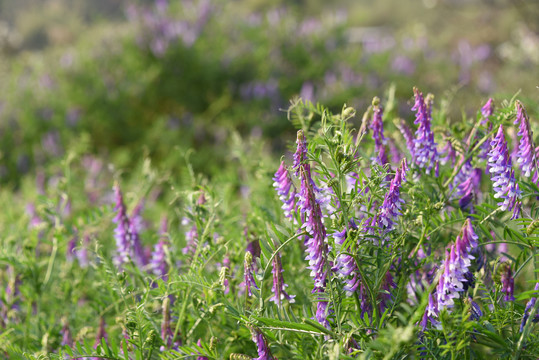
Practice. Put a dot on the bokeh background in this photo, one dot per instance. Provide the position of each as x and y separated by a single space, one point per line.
126 79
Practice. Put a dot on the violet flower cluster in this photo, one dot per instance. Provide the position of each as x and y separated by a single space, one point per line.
158 262
529 305
264 352
345 264
248 278
527 157
316 246
391 207
377 127
455 277
279 286
286 190
425 152
503 175
508 283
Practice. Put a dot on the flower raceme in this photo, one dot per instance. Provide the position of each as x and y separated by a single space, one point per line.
503 175
455 278
425 153
527 157
316 246
286 190
279 286
377 126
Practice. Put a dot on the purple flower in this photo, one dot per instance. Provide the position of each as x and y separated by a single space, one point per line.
508 283
315 242
486 111
503 175
431 313
191 238
385 296
158 262
100 335
390 210
377 126
122 233
425 153
450 154
264 352
279 286
408 136
529 305
67 338
526 150
199 344
456 267
286 190
248 277
468 189
345 265
475 310
167 334
135 227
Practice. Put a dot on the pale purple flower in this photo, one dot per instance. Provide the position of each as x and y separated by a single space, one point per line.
508 283
191 239
503 175
529 305
468 190
391 207
158 262
279 286
431 313
315 243
286 190
377 126
455 277
408 135
135 226
450 154
167 334
248 277
526 149
425 153
122 233
388 285
264 352
67 338
486 111
199 344
345 265
475 310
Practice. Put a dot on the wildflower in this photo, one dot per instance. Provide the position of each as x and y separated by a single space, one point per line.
456 267
248 273
135 227
526 150
385 296
431 313
468 189
67 338
377 126
191 238
529 305
264 352
199 344
158 262
425 153
315 242
475 310
167 334
391 206
508 283
345 265
486 111
450 154
286 190
279 286
122 233
408 136
503 175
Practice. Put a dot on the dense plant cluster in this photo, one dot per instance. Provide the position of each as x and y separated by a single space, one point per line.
387 238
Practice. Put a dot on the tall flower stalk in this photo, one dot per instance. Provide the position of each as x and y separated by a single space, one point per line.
286 190
377 126
503 175
425 152
527 157
316 246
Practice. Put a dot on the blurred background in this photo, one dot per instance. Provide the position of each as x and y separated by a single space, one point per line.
125 79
